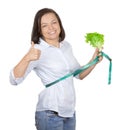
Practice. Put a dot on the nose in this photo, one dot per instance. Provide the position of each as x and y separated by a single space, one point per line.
50 27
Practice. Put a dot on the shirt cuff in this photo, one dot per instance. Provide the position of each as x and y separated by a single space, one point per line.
13 80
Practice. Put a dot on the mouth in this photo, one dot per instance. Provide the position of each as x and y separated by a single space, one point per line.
52 32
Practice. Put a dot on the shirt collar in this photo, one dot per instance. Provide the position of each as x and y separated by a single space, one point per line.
44 43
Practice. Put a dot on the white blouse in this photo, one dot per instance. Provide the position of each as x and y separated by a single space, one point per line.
53 64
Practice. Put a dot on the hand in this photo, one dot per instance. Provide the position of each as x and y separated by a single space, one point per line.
33 53
97 53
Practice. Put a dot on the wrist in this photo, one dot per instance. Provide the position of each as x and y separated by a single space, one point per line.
26 58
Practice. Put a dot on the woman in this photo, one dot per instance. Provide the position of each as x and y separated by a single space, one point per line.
51 57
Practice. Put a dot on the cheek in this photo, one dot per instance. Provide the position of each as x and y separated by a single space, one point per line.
58 28
44 32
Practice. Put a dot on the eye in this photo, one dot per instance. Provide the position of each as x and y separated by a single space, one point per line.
44 25
54 22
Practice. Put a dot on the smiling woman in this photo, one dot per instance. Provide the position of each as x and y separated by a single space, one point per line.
51 57
47 24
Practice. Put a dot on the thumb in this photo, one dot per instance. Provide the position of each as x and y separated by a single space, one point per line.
32 44
96 51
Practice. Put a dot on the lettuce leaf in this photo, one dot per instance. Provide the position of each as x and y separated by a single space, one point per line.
95 39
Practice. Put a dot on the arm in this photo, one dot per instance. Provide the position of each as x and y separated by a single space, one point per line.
88 71
32 55
20 71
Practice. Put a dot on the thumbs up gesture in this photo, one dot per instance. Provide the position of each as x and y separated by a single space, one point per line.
33 54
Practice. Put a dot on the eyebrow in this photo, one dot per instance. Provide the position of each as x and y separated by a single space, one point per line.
51 21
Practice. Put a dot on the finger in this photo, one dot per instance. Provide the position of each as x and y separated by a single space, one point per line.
32 44
96 51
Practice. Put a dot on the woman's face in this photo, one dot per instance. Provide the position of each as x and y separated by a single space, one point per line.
50 28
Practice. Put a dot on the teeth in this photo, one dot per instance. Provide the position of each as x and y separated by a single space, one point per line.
52 32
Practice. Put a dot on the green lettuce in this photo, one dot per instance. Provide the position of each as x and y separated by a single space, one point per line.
95 39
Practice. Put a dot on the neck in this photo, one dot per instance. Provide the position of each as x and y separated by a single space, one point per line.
53 43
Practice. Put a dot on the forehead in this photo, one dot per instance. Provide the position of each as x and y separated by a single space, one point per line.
48 17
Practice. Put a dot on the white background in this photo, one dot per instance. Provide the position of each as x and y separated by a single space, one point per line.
97 102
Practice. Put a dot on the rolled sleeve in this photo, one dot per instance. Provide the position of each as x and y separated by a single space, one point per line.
16 81
13 80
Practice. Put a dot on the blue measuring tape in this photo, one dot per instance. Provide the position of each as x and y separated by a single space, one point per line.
78 71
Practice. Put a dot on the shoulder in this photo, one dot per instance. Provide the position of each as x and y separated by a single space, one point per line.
41 45
66 44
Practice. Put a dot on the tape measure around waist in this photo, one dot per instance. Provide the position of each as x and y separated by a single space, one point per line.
78 71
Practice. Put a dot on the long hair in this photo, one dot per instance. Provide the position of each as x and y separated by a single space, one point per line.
36 31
